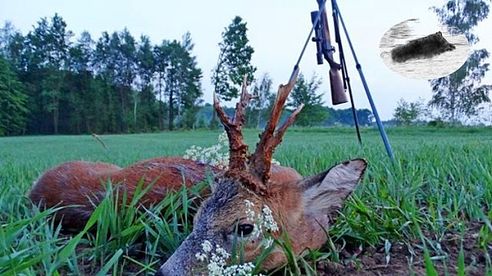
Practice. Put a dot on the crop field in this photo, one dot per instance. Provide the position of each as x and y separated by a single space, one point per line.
429 212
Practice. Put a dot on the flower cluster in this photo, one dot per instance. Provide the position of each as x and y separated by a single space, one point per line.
262 222
216 155
216 257
268 222
250 213
217 261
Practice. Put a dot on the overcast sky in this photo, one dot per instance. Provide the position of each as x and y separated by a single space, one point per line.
277 31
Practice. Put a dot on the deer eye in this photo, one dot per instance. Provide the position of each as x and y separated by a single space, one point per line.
244 230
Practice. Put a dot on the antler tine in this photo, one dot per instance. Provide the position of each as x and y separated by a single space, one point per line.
281 130
261 160
238 150
243 102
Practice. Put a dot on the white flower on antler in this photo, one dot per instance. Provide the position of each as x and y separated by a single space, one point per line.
216 155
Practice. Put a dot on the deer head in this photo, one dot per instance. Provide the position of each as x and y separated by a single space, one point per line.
245 192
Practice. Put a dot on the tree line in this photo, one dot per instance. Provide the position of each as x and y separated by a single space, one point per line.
114 84
52 82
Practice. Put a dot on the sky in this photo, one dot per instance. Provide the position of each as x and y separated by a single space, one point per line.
277 30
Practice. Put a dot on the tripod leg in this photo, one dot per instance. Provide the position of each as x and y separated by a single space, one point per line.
345 76
382 132
354 110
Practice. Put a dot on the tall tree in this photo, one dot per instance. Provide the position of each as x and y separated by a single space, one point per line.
13 109
181 76
115 59
234 62
16 52
190 84
306 92
126 72
146 67
161 56
172 80
81 54
49 46
7 33
85 102
104 67
12 46
460 93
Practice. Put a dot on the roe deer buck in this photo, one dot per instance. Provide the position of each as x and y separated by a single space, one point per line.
301 207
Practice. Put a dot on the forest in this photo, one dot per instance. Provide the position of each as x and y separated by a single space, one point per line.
54 82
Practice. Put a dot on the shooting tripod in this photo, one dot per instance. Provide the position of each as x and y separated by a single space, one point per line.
339 83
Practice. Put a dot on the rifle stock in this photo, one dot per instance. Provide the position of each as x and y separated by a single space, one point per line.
338 95
337 88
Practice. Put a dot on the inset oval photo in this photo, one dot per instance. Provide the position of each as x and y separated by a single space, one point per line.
423 51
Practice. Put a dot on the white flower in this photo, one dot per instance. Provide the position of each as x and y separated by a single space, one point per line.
250 213
268 221
215 155
206 246
201 256
261 221
267 242
221 251
244 269
257 230
218 260
214 269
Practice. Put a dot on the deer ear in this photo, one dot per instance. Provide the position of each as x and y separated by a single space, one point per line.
326 192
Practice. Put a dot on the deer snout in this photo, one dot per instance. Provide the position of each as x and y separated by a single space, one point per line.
183 260
174 267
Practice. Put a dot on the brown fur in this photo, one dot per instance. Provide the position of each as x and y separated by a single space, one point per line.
81 183
300 214
306 231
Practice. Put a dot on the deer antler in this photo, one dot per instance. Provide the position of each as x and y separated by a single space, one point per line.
238 150
254 171
260 162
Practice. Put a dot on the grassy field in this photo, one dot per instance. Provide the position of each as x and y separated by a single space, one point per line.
427 213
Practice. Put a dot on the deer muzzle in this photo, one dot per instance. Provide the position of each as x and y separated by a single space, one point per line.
183 260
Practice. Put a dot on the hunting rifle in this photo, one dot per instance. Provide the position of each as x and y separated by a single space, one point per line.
324 50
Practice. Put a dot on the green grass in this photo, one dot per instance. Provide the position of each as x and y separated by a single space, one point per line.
440 184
